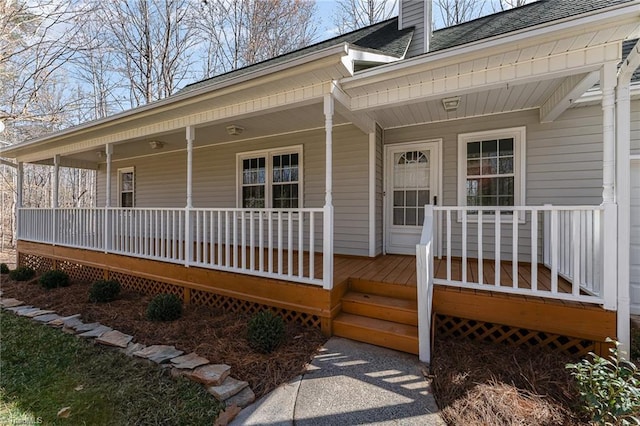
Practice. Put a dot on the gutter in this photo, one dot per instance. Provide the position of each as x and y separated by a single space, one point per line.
384 72
153 107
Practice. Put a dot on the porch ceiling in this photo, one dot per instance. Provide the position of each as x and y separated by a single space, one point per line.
259 126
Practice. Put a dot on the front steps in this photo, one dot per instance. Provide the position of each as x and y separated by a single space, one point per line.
380 314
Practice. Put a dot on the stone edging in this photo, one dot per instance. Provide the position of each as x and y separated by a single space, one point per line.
215 377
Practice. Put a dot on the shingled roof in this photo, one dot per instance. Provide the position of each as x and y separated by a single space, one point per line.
529 15
383 38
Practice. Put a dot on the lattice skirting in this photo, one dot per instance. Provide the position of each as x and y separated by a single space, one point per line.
447 326
85 273
230 304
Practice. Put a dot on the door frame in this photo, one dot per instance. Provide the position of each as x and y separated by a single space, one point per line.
386 214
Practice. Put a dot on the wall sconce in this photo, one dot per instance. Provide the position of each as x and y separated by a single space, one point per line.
101 154
451 104
156 144
235 130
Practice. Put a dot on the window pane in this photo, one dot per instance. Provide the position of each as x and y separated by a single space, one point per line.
505 201
488 201
423 198
412 198
412 219
294 173
126 199
420 216
489 166
473 167
398 198
490 148
398 216
506 165
473 186
506 146
473 150
505 186
489 186
127 181
294 159
277 175
276 161
253 196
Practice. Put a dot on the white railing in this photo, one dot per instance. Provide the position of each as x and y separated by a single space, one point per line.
425 281
277 243
489 248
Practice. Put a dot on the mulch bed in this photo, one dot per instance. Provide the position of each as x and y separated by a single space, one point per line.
478 383
215 335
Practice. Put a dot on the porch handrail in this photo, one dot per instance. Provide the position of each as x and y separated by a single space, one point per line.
488 232
272 243
425 281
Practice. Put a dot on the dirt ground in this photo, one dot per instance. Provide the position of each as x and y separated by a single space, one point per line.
213 334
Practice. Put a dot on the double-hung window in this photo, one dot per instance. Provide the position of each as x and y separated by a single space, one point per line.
270 179
126 187
491 168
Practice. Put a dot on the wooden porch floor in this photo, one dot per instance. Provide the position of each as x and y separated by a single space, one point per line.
400 269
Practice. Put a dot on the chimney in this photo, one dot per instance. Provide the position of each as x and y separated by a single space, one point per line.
417 14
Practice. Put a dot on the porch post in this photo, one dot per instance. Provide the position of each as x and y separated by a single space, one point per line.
623 192
188 253
106 240
610 245
19 179
327 240
54 198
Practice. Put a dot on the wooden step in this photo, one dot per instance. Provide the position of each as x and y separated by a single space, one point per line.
401 337
382 307
399 291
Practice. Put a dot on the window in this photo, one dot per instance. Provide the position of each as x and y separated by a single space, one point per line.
126 187
270 179
491 168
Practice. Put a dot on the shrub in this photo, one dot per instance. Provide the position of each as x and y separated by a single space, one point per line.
102 291
164 307
4 268
609 388
54 279
265 331
22 273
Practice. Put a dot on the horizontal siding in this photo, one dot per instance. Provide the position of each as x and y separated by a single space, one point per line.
412 12
635 127
161 179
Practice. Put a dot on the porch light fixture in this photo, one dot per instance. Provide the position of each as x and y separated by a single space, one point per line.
156 144
101 154
451 104
235 130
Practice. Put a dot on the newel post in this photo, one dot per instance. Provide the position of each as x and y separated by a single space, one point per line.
424 274
327 240
188 244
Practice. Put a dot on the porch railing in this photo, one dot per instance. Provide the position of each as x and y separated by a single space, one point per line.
490 247
275 243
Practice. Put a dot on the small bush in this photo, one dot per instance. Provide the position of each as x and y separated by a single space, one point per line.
609 388
164 307
23 273
54 279
4 268
103 291
265 331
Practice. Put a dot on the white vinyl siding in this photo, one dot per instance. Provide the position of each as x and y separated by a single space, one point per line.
161 179
635 127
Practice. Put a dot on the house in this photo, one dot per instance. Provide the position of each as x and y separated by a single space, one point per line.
480 180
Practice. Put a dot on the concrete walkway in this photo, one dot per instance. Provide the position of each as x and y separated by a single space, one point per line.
350 383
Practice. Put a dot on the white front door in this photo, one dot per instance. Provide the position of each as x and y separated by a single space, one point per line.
411 181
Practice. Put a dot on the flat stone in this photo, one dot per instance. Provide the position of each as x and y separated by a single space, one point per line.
133 347
227 389
115 338
242 398
15 309
37 313
60 322
10 303
159 353
189 361
210 375
82 327
96 332
47 317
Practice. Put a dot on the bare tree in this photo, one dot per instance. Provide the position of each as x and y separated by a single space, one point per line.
238 33
453 12
353 14
510 4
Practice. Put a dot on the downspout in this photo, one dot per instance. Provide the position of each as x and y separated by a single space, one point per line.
623 191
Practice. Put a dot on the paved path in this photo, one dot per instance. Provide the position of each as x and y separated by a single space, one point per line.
350 383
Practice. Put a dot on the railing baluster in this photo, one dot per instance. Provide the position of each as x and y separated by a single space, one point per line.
534 250
212 241
498 246
199 236
576 253
280 257
235 238
252 248
261 240
514 256
219 246
290 243
464 246
448 245
270 227
554 251
480 254
300 244
227 240
243 244
312 242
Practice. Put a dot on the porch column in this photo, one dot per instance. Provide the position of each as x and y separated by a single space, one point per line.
54 197
190 135
19 180
608 79
106 240
623 191
327 240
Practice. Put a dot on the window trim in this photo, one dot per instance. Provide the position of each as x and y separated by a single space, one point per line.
268 154
519 161
122 171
